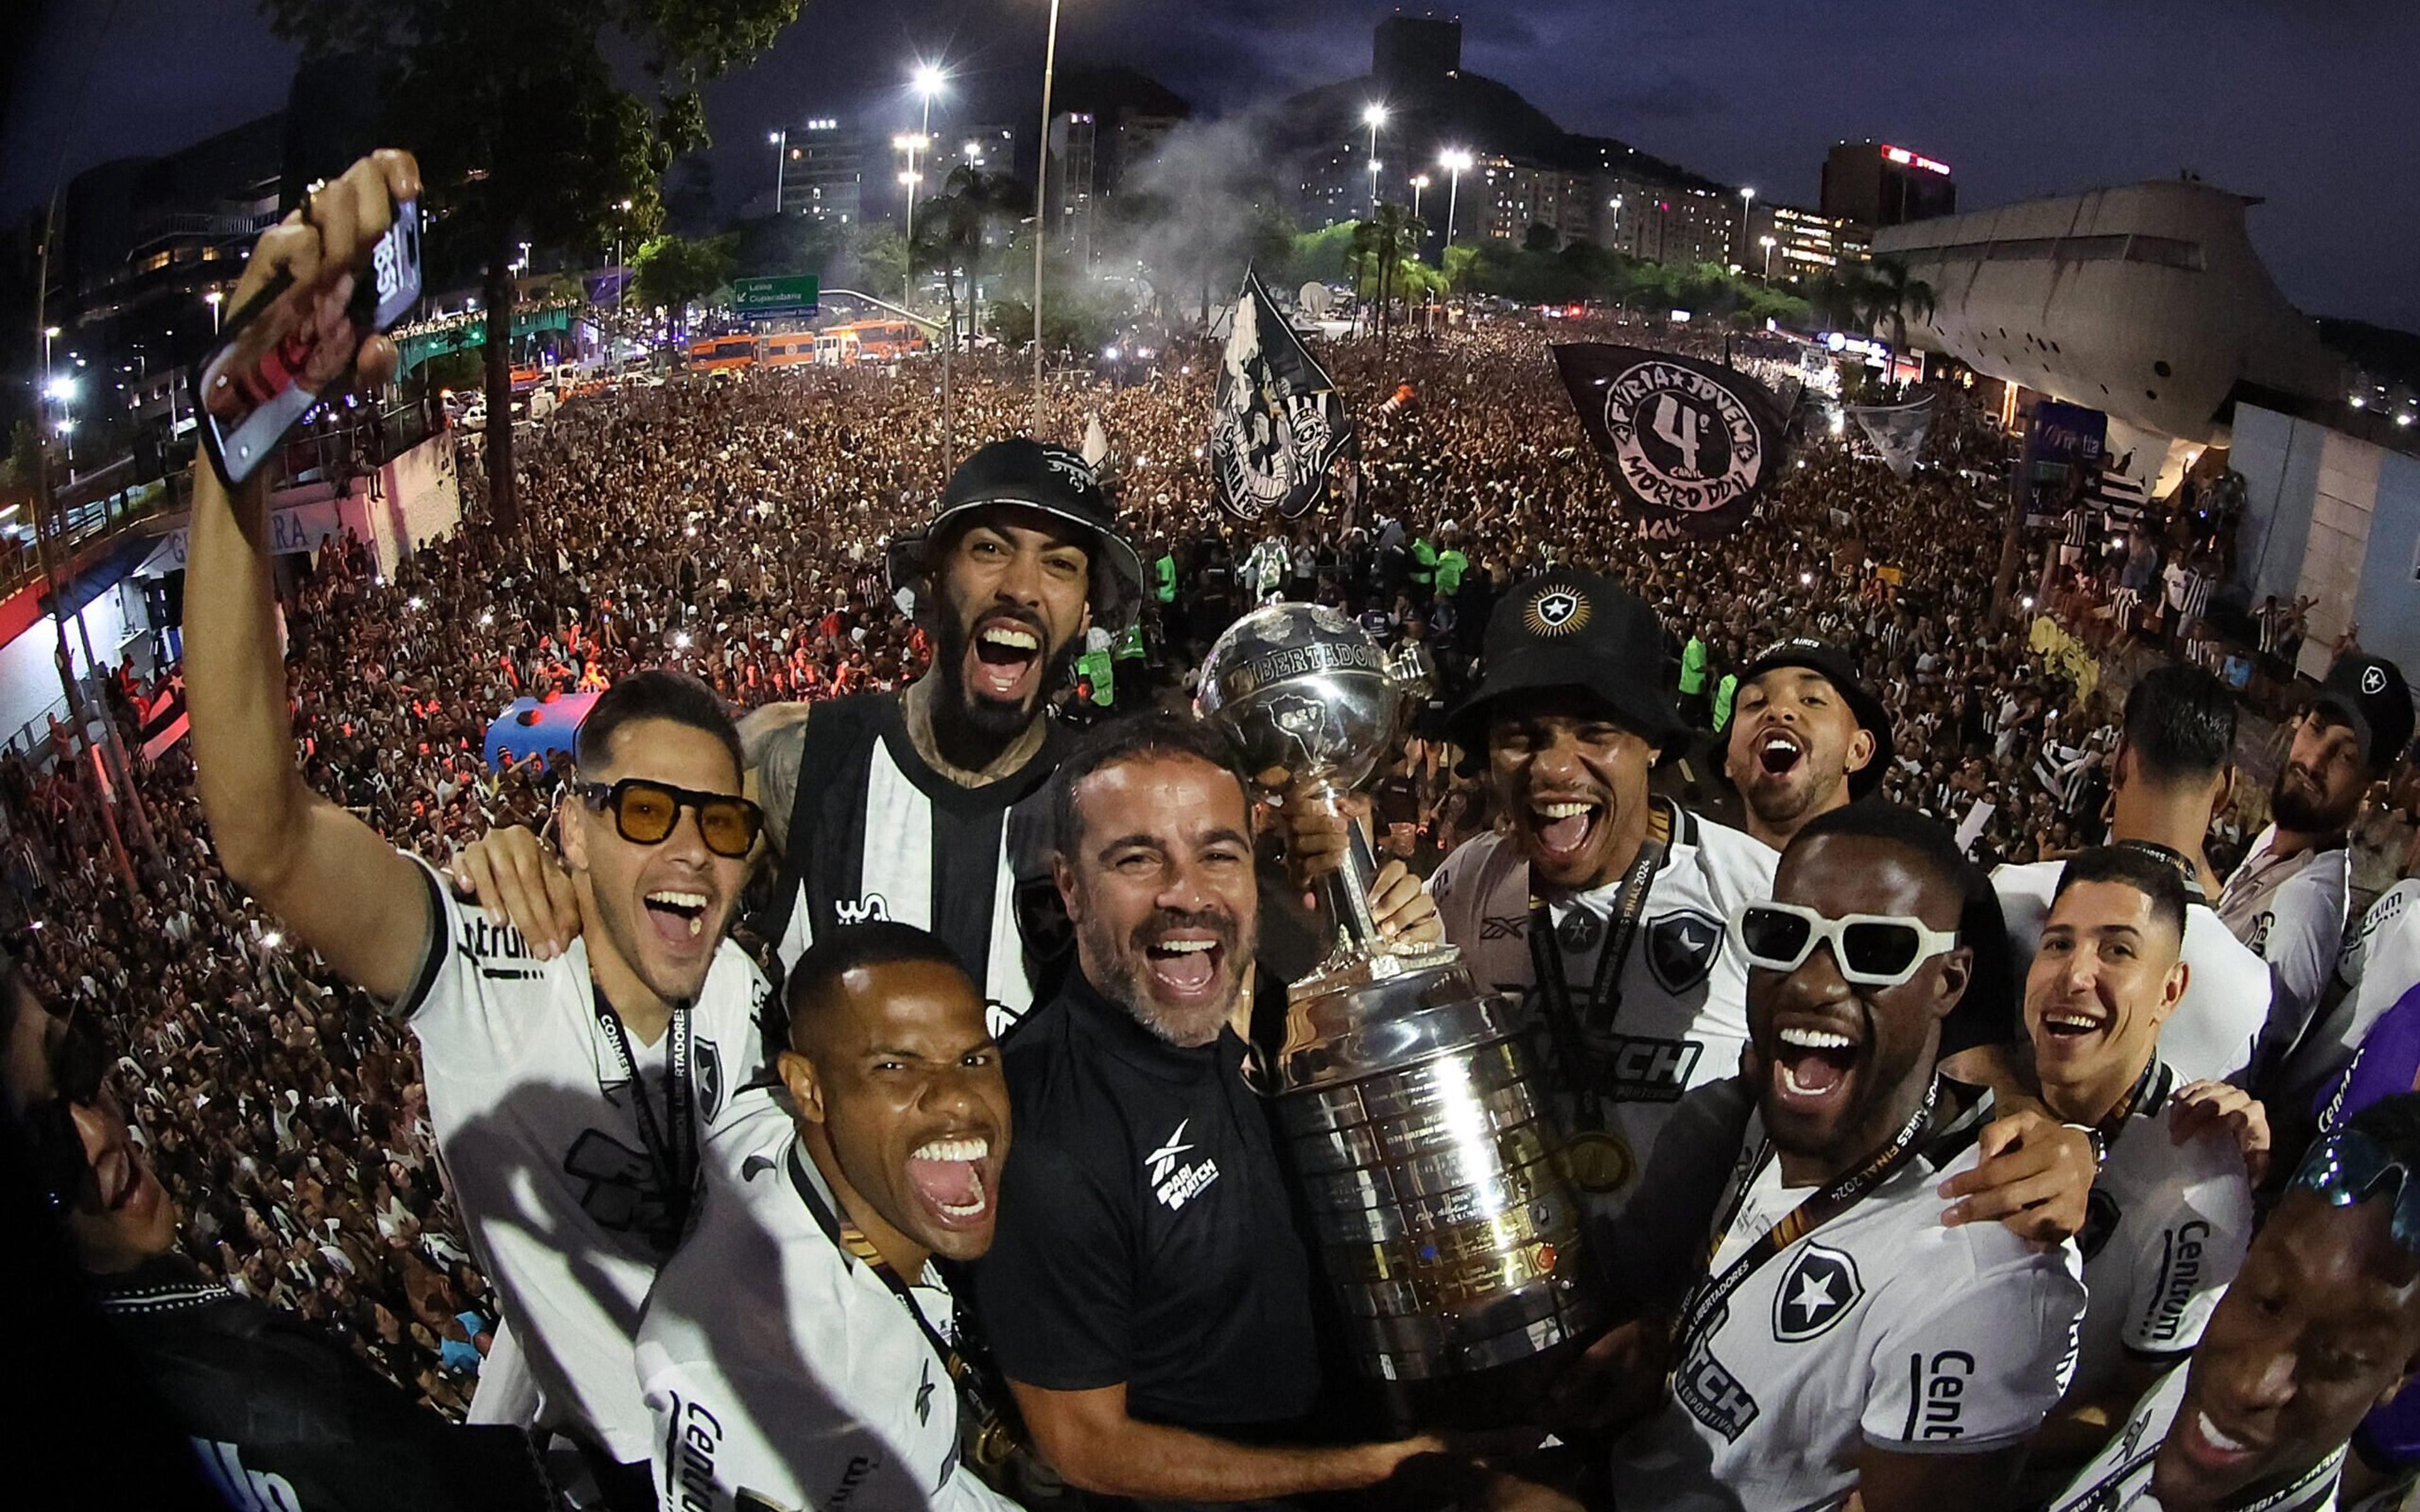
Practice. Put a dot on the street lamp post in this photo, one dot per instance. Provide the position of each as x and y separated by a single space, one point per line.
214 298
1453 161
1041 181
1748 201
1766 242
1419 181
1374 116
928 80
781 141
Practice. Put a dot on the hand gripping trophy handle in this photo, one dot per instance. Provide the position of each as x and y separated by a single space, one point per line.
1344 893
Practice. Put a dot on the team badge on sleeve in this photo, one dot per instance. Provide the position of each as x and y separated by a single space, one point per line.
1817 1291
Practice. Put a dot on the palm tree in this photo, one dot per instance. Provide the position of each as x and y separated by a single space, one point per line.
1387 237
1893 295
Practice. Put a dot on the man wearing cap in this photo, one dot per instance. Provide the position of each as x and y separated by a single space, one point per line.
1804 737
2286 901
1602 904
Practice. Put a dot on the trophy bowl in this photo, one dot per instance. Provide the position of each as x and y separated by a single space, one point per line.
1301 688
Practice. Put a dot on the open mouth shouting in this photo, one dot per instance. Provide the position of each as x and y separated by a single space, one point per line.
1780 753
1562 825
1185 963
2217 1453
1813 1063
678 916
1003 660
955 1177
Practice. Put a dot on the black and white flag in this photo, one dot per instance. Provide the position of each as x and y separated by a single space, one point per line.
1896 430
1692 445
1279 422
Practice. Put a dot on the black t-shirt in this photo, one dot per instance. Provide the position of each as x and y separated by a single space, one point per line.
1145 1234
283 1416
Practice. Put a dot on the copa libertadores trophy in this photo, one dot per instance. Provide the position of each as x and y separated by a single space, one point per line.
1407 1095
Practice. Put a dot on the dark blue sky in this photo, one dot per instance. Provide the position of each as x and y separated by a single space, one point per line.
2306 104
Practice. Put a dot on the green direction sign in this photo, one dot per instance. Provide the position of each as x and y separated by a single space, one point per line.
774 298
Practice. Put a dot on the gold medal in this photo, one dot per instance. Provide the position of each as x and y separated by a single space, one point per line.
1598 1161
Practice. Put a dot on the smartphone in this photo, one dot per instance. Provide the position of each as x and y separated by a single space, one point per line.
245 415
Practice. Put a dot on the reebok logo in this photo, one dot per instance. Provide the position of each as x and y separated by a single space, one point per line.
1175 1185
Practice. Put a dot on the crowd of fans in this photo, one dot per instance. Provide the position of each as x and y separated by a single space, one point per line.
734 528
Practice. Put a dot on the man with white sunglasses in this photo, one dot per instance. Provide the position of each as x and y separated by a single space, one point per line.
1842 1339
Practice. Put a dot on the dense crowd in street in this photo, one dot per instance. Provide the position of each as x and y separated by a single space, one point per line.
734 529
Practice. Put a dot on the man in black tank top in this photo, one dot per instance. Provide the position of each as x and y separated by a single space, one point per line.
924 805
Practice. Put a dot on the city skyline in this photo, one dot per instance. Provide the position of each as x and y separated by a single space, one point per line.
2053 100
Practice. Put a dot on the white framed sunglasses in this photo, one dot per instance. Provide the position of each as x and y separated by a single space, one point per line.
1871 949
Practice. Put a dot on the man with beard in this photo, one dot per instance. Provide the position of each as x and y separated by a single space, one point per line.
1842 1339
922 807
2172 771
1804 737
827 1222
1147 1296
2287 898
569 1097
274 1412
2322 1325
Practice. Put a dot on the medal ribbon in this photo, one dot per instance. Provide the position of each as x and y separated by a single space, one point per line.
1605 992
671 1145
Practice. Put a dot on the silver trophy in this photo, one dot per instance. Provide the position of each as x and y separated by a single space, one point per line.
1409 1101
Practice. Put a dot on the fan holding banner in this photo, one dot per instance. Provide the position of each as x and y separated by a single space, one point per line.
1279 421
1692 446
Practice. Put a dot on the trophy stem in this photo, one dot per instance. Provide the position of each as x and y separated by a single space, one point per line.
1345 892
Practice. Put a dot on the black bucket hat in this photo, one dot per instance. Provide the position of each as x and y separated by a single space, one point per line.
1033 475
1575 629
2368 693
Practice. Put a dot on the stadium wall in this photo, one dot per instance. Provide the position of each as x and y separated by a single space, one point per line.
2336 518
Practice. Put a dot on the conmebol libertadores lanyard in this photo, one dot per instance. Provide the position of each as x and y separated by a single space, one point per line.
671 1145
2116 1490
1834 1199
1604 990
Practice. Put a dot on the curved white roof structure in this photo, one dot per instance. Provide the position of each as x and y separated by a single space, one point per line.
2145 300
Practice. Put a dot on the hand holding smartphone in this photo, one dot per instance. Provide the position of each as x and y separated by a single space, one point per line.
320 286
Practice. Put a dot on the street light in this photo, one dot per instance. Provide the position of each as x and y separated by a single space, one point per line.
1766 242
1419 181
1373 116
214 298
1453 161
1041 180
781 144
926 80
1747 200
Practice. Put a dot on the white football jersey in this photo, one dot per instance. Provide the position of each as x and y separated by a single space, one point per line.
2380 959
781 1368
1881 1327
540 1134
2292 913
2119 1479
1684 1012
2164 1236
2212 1035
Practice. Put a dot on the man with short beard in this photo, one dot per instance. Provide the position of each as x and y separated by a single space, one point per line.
2287 898
1805 738
1147 1295
924 805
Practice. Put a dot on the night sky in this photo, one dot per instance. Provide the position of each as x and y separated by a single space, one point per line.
2306 103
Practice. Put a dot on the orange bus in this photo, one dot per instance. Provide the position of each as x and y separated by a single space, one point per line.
721 354
869 341
787 348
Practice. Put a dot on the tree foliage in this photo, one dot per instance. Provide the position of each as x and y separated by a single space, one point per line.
677 271
523 130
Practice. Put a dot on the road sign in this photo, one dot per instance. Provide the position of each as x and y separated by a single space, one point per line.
774 298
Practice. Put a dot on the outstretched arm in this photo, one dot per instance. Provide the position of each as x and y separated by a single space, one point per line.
335 882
